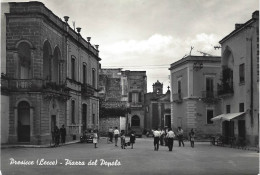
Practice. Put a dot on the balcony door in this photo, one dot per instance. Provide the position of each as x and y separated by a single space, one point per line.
209 86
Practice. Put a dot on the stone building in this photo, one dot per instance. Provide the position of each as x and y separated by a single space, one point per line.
239 86
113 100
122 94
52 75
157 108
194 94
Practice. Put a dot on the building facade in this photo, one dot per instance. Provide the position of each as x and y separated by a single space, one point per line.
122 94
52 75
239 86
194 98
157 108
113 100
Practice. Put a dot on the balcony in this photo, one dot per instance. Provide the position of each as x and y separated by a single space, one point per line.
209 96
25 85
177 98
225 89
38 85
87 90
136 105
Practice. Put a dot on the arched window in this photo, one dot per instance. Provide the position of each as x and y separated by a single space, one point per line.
56 67
93 77
73 68
25 64
135 121
47 61
84 72
23 121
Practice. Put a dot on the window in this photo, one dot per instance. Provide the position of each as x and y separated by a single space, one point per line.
135 97
179 86
227 109
209 87
209 84
73 64
93 77
84 72
241 107
73 112
209 116
24 55
242 73
93 119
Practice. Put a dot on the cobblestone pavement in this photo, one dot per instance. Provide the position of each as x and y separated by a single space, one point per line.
108 159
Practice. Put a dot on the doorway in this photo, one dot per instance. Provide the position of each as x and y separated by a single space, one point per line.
227 130
53 124
23 122
167 121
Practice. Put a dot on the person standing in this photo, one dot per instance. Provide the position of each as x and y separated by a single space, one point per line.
161 136
110 134
122 135
63 134
132 139
170 136
192 138
116 134
156 135
95 138
180 136
166 139
57 136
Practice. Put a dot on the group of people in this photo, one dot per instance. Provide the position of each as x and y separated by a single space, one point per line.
59 135
116 134
167 136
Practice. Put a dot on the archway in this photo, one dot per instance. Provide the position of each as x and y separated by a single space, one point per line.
135 121
56 67
24 55
23 122
47 61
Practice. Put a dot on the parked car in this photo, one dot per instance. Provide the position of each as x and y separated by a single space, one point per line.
87 137
138 131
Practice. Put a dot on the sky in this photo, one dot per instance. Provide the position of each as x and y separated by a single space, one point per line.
149 35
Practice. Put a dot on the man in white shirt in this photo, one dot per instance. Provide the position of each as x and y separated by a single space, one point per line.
170 135
116 134
156 135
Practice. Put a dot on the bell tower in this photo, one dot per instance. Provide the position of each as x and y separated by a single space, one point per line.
158 88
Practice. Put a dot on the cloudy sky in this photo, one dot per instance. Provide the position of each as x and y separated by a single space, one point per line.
149 35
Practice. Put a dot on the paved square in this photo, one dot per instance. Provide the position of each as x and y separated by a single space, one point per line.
203 159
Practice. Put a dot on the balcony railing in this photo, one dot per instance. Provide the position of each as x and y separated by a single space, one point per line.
177 97
36 85
87 90
25 85
225 89
209 94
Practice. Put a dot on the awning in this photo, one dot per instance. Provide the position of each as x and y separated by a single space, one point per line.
227 117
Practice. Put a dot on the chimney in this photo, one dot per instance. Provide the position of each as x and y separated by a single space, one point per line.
66 18
88 39
97 46
255 15
78 29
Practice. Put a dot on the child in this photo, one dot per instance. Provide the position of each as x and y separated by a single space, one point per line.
95 138
132 139
192 137
122 139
